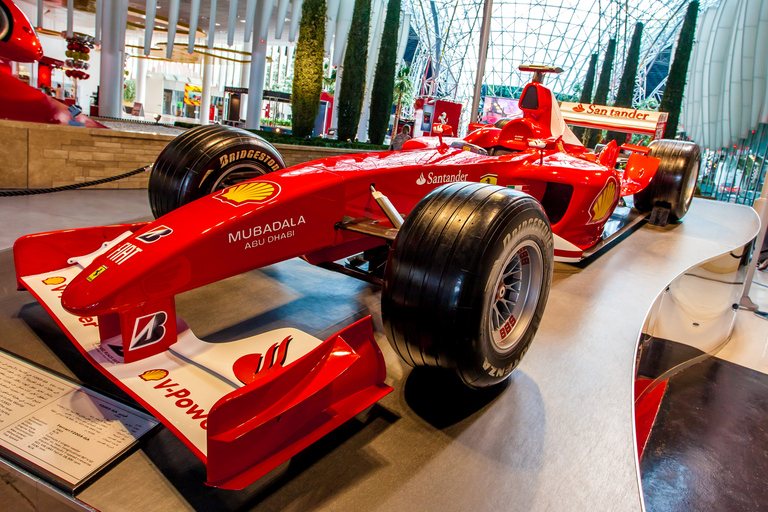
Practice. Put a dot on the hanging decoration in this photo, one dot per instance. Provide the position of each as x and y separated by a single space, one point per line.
79 47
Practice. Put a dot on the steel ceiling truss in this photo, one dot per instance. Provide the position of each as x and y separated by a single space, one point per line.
563 33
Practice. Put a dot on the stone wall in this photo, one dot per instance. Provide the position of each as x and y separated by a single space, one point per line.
34 155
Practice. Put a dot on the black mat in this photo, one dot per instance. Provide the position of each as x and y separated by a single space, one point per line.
708 449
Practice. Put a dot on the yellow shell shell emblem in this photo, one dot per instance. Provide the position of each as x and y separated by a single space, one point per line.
249 192
154 374
53 281
602 205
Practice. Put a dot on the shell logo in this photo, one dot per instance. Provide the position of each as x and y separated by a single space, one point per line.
53 281
249 192
602 205
154 374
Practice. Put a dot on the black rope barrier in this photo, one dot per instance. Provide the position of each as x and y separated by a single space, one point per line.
34 191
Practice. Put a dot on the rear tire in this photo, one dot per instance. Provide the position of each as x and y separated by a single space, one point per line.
204 160
467 281
674 183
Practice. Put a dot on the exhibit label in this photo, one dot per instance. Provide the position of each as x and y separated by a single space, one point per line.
66 430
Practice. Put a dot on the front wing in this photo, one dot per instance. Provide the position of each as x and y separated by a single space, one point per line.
242 407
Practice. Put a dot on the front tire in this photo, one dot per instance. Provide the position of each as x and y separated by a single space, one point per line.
467 281
204 160
674 183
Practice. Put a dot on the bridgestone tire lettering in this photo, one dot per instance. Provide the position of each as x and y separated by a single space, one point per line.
437 279
204 160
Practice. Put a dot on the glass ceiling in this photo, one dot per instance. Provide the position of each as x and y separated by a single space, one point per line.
561 33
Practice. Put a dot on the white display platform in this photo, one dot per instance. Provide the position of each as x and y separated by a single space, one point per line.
558 437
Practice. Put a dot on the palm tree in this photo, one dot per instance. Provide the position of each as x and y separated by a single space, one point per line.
403 87
329 83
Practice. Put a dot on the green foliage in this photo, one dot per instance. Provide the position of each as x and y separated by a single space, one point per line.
265 121
352 88
329 83
627 85
673 92
586 91
592 137
129 91
384 81
403 90
308 67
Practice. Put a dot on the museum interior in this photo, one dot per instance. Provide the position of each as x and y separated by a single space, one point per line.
383 255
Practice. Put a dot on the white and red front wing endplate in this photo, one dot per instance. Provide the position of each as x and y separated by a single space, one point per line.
242 407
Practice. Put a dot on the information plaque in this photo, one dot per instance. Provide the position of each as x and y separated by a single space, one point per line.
59 430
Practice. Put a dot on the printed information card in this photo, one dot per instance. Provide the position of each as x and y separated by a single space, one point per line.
67 431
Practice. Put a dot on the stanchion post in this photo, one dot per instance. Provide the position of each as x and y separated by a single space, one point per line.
761 207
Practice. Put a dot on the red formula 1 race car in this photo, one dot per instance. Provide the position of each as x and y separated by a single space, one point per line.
466 266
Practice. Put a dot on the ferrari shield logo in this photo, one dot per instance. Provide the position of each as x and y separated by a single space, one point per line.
491 179
96 273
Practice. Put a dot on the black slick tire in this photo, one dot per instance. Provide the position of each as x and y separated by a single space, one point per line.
674 183
206 159
467 281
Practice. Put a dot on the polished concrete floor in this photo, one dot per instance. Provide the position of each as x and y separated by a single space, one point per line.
22 215
558 436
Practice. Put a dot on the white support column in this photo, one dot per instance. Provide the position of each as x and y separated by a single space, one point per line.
256 82
141 81
271 68
97 26
282 10
232 22
205 102
265 16
149 22
70 17
377 25
280 51
173 21
330 22
290 61
342 31
111 69
194 14
485 30
296 6
212 25
405 30
337 87
250 13
244 78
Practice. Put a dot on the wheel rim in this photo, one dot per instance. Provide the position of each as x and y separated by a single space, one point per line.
512 299
234 175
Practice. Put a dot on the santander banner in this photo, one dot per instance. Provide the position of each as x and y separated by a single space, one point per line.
620 119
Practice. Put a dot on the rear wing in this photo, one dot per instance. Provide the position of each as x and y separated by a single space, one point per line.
628 120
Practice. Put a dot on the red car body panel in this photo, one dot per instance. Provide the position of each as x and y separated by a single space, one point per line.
124 279
21 42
